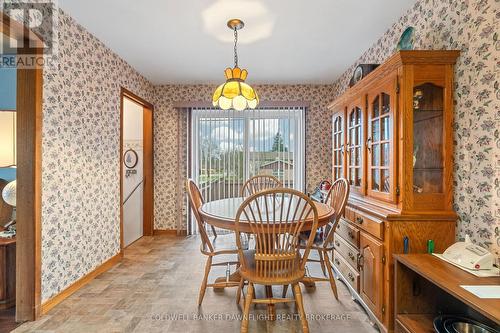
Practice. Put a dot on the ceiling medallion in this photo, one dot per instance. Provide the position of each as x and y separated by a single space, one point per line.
235 93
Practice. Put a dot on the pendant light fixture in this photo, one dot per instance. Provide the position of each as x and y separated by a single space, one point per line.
235 93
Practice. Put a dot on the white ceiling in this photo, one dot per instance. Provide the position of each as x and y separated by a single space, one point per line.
284 41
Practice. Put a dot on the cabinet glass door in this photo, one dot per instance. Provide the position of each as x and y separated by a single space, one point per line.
380 143
338 146
354 148
428 153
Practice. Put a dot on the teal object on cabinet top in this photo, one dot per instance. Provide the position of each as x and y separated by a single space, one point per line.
407 39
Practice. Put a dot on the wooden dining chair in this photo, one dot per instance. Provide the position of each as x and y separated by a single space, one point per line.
337 198
259 183
275 218
208 247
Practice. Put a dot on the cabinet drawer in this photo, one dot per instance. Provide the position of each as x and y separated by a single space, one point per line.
369 224
348 232
349 214
350 275
349 253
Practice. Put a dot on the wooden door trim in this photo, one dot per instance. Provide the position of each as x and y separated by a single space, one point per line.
148 167
29 90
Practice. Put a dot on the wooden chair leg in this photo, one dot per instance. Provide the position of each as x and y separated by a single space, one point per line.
285 289
246 310
240 290
271 310
330 276
300 308
322 262
203 287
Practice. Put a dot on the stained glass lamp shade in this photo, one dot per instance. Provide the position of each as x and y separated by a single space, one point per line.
235 93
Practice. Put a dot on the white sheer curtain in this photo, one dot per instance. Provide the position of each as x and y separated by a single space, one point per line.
228 147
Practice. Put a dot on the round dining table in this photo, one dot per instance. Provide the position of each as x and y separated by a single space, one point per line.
222 214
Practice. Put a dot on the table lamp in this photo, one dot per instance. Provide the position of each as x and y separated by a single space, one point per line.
9 196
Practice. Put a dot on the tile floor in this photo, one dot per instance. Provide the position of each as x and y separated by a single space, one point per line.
155 289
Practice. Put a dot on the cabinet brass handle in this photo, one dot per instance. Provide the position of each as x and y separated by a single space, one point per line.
337 261
351 234
350 276
359 220
360 261
337 243
351 256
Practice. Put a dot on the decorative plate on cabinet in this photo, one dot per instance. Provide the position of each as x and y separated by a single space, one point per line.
407 39
360 72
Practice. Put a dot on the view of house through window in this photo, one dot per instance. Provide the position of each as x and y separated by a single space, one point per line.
228 147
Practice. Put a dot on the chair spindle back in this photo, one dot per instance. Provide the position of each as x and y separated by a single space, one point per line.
276 217
259 183
196 200
337 198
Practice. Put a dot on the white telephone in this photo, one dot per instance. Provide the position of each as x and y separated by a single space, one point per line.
468 255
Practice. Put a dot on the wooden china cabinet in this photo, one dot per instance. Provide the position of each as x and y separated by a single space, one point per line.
393 141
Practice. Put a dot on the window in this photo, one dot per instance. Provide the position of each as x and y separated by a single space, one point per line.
228 147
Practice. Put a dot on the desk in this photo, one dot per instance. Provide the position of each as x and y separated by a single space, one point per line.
7 272
426 286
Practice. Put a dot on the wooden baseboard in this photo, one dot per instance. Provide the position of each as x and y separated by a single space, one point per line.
105 266
170 232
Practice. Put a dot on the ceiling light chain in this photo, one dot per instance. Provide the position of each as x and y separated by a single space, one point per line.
235 47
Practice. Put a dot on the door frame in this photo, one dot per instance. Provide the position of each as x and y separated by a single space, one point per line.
148 168
29 90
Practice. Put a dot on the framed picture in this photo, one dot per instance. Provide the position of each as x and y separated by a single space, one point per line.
130 158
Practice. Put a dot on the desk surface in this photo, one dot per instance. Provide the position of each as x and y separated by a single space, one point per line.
450 278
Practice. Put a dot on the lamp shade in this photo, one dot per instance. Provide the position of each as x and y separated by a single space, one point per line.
235 93
7 138
9 193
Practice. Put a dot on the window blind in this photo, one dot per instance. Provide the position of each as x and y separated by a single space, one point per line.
228 147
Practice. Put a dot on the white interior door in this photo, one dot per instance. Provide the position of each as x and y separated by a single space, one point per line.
132 171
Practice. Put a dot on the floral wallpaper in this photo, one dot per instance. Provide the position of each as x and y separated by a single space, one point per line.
170 140
80 170
80 156
471 26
